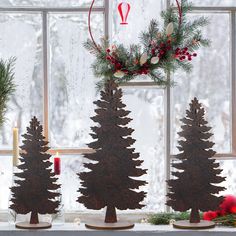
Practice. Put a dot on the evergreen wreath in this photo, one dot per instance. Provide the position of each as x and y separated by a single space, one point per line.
160 50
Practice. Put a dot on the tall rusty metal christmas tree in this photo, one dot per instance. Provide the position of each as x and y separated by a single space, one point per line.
111 180
35 183
198 174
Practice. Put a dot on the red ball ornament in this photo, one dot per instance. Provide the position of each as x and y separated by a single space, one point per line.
124 9
228 205
210 215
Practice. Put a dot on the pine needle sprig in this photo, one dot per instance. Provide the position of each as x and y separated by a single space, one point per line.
7 85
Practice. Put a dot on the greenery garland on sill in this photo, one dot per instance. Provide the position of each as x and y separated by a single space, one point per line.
159 51
169 218
7 86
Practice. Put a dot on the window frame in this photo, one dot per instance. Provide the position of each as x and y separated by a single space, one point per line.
106 9
45 11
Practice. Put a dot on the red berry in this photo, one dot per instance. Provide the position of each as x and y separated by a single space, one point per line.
118 66
186 49
162 45
194 54
108 50
108 58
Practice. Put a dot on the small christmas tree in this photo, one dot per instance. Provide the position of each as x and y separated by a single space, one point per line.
35 185
111 180
195 185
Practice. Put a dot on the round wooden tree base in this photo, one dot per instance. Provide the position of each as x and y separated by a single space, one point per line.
185 224
27 225
101 225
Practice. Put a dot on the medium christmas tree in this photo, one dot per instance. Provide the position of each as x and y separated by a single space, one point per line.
35 185
195 184
111 180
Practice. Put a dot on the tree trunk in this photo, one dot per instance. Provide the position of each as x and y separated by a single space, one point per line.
34 219
194 216
111 215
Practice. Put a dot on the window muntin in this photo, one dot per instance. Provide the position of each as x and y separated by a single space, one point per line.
49 3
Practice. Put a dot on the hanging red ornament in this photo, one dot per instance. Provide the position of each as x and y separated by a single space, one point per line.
124 9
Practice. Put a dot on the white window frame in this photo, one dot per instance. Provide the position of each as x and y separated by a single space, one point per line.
106 9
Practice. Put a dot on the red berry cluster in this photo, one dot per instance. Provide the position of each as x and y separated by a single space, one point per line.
183 54
111 57
161 49
144 70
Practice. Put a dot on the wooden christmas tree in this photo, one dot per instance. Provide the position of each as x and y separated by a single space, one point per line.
198 174
35 185
111 180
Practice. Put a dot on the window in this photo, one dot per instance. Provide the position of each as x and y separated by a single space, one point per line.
55 83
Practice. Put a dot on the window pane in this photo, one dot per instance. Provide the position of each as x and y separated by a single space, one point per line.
147 112
228 168
148 123
6 180
214 2
149 142
229 172
50 3
21 36
72 84
141 13
210 83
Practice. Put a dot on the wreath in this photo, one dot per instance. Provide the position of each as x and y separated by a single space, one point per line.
160 50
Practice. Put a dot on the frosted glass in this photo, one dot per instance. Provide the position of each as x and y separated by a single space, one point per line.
72 84
21 37
141 13
147 112
50 3
210 83
5 180
216 3
229 172
228 167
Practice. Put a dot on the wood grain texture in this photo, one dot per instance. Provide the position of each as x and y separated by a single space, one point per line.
35 185
101 225
111 181
203 224
27 225
194 183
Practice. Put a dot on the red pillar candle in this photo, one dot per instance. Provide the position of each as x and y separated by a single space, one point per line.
57 164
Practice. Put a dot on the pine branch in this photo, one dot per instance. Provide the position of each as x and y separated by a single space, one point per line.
7 86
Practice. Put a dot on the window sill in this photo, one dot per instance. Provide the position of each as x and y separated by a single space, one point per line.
71 229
